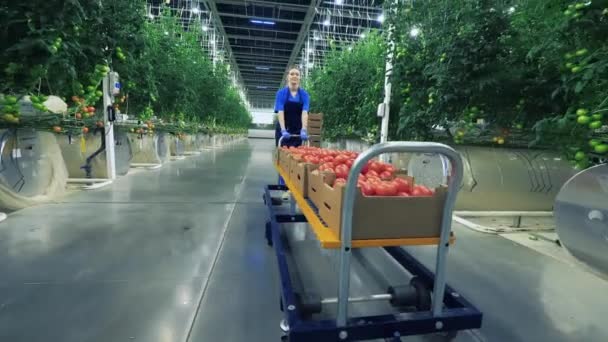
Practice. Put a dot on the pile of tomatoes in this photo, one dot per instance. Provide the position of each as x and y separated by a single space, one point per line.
376 178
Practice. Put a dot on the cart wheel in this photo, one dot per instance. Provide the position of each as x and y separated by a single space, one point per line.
449 335
268 234
423 302
284 338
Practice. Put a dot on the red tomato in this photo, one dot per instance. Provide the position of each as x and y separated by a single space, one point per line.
362 178
403 185
385 189
367 189
421 191
372 173
373 179
340 181
385 175
314 160
389 168
328 165
376 166
365 168
349 162
342 171
403 194
340 159
328 159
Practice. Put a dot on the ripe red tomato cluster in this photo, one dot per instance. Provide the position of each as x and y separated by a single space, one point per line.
376 178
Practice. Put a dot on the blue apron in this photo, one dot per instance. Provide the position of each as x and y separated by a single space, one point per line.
293 121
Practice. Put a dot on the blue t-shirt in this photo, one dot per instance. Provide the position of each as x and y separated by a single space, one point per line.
285 95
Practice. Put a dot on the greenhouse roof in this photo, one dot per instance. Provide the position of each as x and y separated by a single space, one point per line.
261 38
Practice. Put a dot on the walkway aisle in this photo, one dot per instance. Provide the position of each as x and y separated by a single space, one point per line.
131 262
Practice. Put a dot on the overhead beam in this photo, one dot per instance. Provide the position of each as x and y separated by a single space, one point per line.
241 55
289 7
281 20
261 29
261 39
210 4
259 48
310 15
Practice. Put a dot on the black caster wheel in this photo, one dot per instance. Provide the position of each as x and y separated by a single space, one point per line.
268 234
423 302
449 335
284 338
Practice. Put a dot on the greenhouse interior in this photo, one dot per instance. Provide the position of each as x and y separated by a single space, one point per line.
308 170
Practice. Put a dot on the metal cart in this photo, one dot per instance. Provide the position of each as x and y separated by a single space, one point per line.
439 308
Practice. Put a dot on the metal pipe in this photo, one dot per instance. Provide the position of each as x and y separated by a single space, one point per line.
454 182
3 216
503 213
370 298
87 180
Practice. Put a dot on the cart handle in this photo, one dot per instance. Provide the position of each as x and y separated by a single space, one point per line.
291 136
454 182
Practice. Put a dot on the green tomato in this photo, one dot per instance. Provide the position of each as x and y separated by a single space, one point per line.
90 89
594 142
596 116
580 155
11 100
601 148
583 119
99 93
568 55
579 6
582 52
34 99
54 49
595 125
576 69
569 65
581 111
567 12
581 165
576 15
431 101
519 126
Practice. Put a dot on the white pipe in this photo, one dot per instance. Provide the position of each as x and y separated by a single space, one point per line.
504 213
147 165
108 100
491 230
98 185
191 153
87 180
3 216
178 157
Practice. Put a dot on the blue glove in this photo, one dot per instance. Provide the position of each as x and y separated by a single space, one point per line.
304 134
285 134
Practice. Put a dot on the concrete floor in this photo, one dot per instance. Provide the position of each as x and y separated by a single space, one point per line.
178 254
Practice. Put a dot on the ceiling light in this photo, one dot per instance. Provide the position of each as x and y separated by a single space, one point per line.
414 32
381 18
511 10
261 22
326 22
205 28
196 10
262 87
262 68
151 16
339 2
362 35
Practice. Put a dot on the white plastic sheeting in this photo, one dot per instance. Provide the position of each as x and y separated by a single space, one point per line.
32 170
